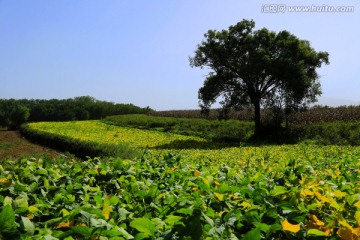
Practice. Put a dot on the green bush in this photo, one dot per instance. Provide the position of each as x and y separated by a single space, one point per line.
337 133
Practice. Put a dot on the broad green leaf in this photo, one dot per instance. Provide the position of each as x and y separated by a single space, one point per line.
123 213
253 234
143 225
278 190
28 226
70 198
42 171
208 220
49 237
46 183
7 219
114 200
98 200
21 202
69 238
33 209
315 232
357 217
82 230
54 221
8 201
172 220
98 223
125 233
64 212
186 211
219 196
141 236
263 227
353 198
106 211
19 187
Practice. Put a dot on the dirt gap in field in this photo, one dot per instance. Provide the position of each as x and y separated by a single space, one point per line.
13 145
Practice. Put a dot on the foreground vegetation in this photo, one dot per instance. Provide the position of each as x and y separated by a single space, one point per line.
171 186
285 192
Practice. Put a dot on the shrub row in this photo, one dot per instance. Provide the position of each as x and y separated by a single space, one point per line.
214 130
326 133
339 133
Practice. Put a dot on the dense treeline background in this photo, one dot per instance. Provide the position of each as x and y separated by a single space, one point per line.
15 112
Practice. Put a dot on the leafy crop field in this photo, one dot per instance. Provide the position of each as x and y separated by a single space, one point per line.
284 192
268 192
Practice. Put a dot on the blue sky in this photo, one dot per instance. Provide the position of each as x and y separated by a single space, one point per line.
137 51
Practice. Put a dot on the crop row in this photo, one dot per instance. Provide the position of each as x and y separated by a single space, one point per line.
94 138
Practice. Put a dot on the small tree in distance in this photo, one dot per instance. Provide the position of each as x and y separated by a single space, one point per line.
253 67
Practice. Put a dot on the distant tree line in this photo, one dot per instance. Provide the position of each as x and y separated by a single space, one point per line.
15 112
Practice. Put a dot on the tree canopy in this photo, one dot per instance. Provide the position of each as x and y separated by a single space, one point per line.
257 67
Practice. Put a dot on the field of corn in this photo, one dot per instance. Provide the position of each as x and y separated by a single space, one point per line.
316 114
167 191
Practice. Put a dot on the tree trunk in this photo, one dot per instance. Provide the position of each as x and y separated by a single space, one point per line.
287 121
257 117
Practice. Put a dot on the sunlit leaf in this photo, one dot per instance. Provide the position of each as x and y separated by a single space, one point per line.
143 225
357 217
219 196
33 209
316 232
245 204
278 190
357 204
28 226
286 226
317 221
107 209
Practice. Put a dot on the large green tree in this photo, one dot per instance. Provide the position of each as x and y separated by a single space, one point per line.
250 66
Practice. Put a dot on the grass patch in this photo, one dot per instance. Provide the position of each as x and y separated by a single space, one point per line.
6 144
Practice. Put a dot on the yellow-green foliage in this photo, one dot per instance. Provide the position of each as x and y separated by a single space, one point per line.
267 192
96 131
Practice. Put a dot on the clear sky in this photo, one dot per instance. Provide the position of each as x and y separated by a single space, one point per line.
136 51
